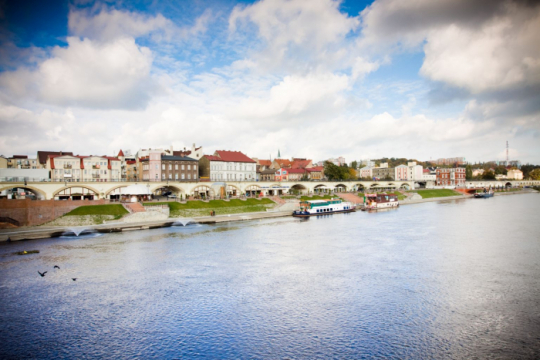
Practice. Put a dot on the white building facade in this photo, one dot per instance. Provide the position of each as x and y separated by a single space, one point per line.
231 166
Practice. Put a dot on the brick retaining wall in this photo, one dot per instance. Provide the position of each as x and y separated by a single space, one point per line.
36 212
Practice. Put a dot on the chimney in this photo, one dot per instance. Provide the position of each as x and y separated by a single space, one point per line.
171 149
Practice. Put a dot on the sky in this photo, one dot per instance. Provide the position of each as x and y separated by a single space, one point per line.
419 79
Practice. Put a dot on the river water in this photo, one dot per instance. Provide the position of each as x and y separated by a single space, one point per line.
456 279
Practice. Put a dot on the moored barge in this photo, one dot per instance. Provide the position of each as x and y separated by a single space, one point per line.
323 207
380 201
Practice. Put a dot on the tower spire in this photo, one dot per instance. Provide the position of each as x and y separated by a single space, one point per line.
278 154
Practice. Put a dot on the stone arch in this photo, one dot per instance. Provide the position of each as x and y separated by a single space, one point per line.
35 190
157 187
508 184
298 188
254 190
340 185
114 188
203 191
405 186
95 191
360 187
233 190
321 188
375 185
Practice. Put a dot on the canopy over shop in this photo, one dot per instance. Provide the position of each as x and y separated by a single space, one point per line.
131 193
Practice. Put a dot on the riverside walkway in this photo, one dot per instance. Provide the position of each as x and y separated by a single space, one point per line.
41 232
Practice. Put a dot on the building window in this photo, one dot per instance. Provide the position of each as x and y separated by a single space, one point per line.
162 176
183 175
162 166
176 167
176 175
183 167
189 175
170 176
170 166
189 167
194 167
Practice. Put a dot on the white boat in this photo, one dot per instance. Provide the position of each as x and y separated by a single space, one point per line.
323 207
380 201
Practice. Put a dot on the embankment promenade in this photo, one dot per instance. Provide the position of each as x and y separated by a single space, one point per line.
42 232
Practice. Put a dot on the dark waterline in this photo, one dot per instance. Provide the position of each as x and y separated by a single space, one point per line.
456 279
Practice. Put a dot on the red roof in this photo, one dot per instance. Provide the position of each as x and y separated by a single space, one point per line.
283 162
213 158
130 162
121 153
19 157
315 168
300 163
426 171
42 155
265 162
233 156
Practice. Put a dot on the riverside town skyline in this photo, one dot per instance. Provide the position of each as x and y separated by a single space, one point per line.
269 179
318 79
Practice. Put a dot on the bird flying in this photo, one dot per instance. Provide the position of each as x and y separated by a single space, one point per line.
56 267
42 274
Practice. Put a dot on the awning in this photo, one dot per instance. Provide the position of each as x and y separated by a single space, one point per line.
135 190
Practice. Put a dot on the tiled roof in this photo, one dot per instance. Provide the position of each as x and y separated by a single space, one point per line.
42 155
131 162
283 162
265 162
233 156
213 158
300 163
315 169
19 157
121 153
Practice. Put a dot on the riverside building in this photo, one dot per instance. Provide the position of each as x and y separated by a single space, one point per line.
228 166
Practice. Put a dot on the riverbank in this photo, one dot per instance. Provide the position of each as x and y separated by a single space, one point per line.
31 232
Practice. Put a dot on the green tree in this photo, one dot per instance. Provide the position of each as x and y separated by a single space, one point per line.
468 172
500 170
332 171
488 175
354 164
535 174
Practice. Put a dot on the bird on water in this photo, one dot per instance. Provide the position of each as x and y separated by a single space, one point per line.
42 274
74 279
56 267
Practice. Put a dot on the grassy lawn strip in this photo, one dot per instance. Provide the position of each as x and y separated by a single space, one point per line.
221 207
426 194
116 210
317 197
288 197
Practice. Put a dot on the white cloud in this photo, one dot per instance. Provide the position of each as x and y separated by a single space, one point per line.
88 74
480 46
106 24
304 30
502 54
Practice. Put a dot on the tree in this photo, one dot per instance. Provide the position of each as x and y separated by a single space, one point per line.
354 164
352 173
488 175
468 172
332 171
535 174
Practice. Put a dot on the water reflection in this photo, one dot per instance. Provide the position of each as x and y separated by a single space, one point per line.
452 280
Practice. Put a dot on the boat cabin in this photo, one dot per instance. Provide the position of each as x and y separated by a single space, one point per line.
312 204
380 198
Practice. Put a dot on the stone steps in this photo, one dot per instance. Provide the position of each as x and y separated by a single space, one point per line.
134 207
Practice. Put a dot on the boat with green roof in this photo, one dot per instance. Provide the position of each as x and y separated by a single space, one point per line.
323 207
